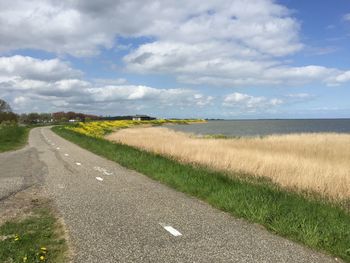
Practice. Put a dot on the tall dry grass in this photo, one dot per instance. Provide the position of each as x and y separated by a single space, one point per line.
316 162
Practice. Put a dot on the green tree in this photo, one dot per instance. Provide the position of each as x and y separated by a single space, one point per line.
45 117
4 106
33 117
6 114
23 118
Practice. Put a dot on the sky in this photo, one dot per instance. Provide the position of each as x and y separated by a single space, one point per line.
231 59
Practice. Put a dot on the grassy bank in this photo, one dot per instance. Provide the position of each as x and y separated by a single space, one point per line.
36 238
12 137
317 224
101 128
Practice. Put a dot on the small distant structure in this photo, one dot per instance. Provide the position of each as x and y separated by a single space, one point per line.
73 120
142 118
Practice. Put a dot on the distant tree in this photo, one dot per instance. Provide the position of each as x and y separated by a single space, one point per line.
33 117
8 117
6 114
70 115
91 117
4 106
23 118
45 117
58 116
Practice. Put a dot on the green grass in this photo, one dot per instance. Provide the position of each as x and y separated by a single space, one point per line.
315 223
29 239
12 137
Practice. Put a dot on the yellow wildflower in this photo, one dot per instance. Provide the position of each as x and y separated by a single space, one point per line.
99 128
42 258
25 259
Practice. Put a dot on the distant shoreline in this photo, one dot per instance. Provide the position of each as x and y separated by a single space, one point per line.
266 127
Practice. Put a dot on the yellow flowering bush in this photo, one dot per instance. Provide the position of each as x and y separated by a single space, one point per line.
100 128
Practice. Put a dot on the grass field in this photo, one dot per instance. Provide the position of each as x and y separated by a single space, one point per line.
12 137
32 240
310 162
33 236
315 223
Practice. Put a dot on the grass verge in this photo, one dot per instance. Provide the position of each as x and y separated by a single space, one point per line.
12 137
34 238
317 224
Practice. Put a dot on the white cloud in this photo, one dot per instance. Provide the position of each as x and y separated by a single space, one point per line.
50 25
28 90
295 98
149 95
109 99
340 78
248 73
232 43
299 96
118 81
250 103
80 28
346 17
51 85
36 69
199 52
223 42
20 100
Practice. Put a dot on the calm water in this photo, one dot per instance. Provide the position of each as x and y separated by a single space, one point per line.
265 127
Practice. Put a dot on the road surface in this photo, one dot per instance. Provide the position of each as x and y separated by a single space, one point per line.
19 170
117 215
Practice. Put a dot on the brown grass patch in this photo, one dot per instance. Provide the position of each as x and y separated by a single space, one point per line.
313 162
21 204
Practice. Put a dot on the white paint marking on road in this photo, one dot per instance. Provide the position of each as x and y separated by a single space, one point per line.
172 230
97 168
66 154
99 179
78 163
102 170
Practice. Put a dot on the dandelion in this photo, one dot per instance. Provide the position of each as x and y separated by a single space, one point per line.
42 258
25 259
17 237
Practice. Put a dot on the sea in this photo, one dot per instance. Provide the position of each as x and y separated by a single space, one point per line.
265 127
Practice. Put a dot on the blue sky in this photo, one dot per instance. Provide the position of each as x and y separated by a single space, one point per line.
229 59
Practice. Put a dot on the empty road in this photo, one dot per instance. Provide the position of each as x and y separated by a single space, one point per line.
117 215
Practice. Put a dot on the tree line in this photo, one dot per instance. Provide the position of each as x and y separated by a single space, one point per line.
8 116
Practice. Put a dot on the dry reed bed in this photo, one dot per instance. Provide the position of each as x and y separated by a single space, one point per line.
316 162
